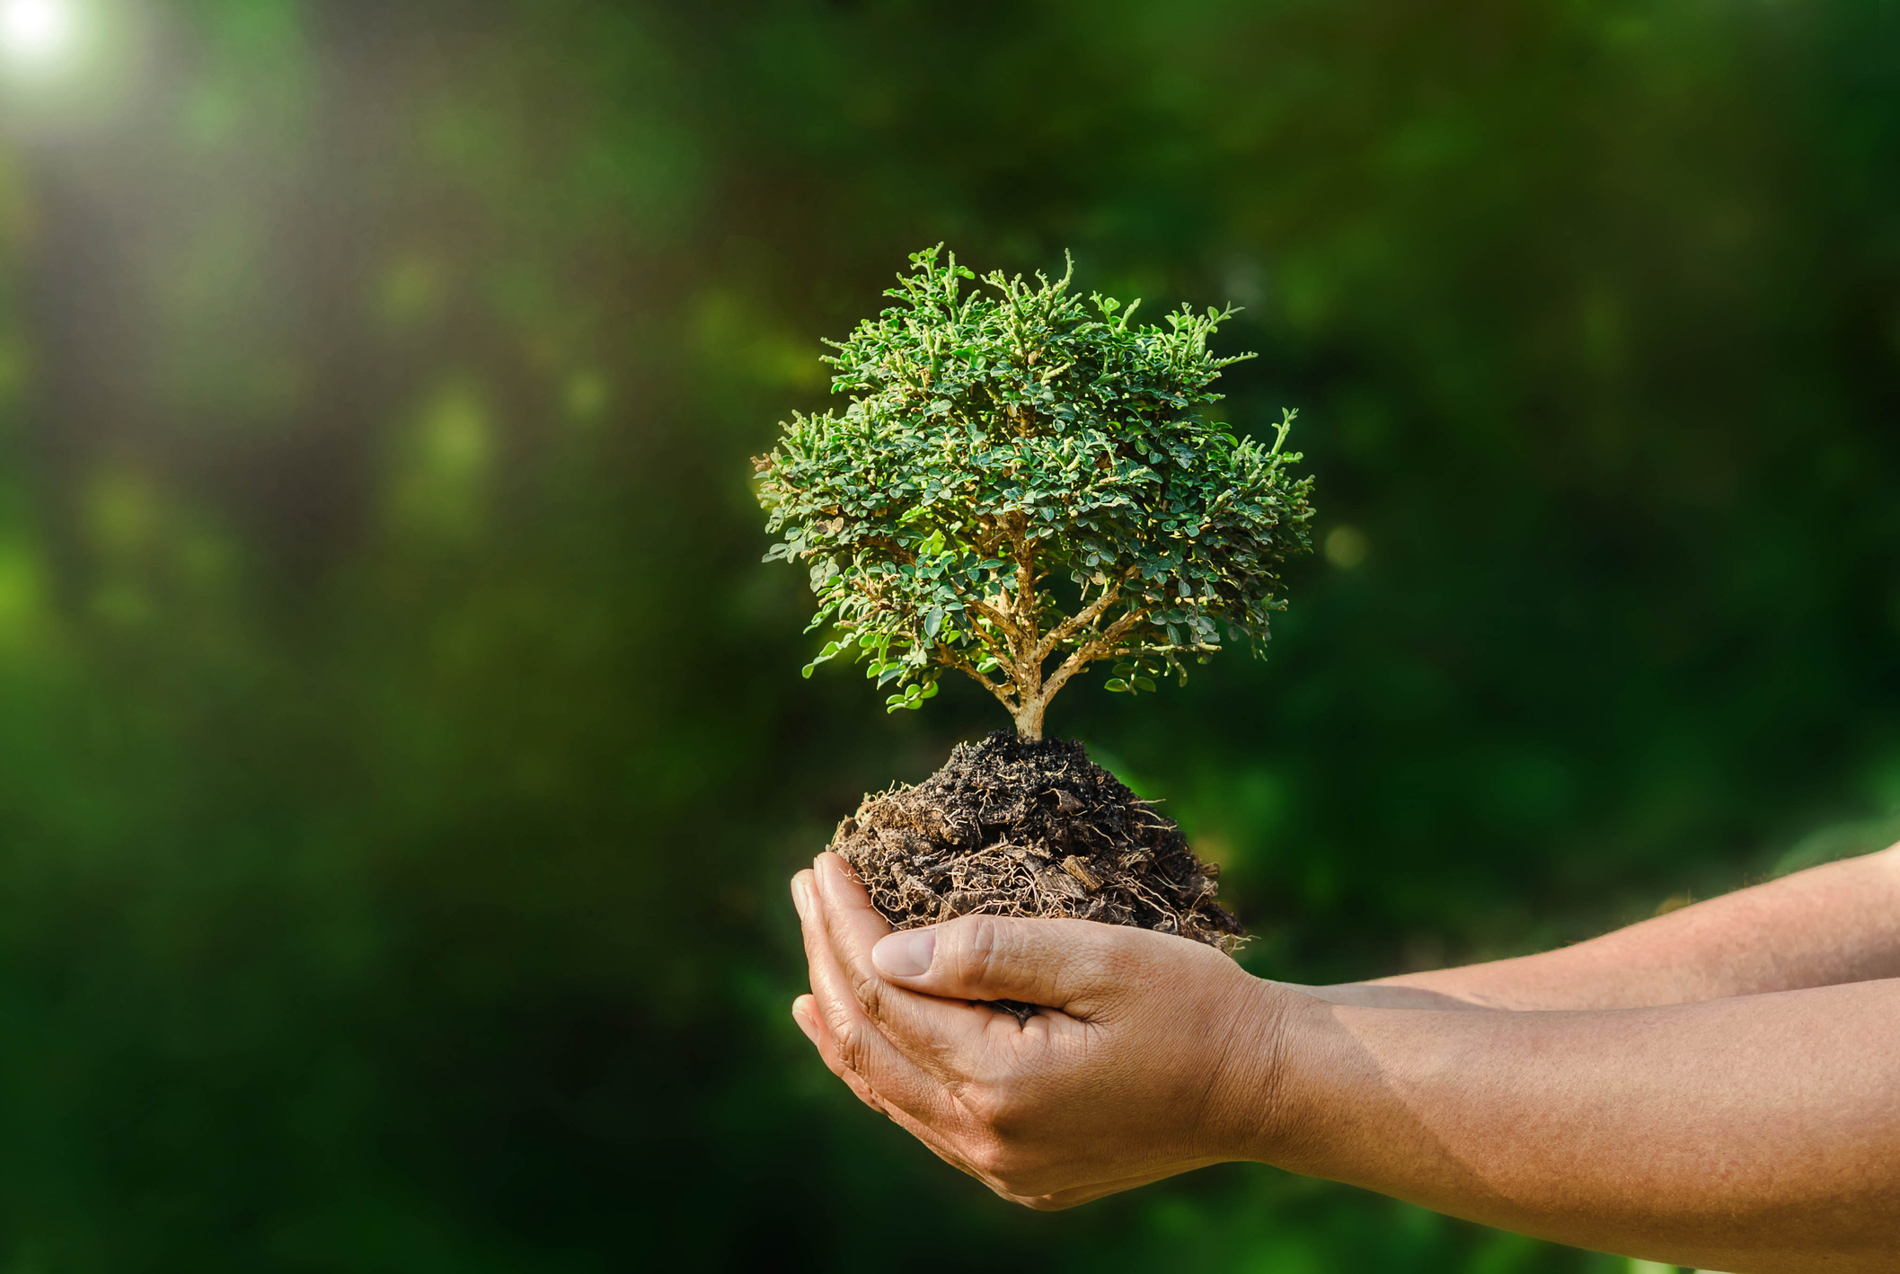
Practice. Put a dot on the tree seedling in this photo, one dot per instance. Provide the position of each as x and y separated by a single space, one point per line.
1023 484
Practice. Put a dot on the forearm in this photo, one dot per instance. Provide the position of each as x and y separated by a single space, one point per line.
1829 925
1759 1133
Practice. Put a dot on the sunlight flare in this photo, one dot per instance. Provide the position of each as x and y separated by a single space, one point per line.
36 33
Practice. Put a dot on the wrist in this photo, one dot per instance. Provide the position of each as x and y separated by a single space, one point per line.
1258 1112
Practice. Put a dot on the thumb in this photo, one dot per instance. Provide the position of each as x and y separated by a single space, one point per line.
1073 965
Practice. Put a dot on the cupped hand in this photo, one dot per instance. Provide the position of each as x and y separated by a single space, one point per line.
1151 1055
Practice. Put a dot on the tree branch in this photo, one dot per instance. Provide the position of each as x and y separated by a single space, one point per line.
953 660
1084 617
1025 583
986 611
1101 647
1168 648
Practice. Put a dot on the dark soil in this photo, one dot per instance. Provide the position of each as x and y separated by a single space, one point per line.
1015 828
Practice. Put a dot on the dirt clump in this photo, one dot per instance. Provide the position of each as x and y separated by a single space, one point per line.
1012 827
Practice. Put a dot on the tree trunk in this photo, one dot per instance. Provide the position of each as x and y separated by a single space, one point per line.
1029 719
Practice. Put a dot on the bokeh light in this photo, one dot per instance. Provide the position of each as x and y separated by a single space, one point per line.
38 35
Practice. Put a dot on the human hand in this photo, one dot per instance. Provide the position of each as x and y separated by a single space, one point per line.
1154 1054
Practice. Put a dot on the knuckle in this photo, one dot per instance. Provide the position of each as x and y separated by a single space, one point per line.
869 990
854 1044
994 1109
1008 1118
838 1019
1042 1202
992 1160
980 945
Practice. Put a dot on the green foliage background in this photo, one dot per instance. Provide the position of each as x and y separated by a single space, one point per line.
401 749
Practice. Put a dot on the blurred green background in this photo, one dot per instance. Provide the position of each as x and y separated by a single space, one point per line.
402 753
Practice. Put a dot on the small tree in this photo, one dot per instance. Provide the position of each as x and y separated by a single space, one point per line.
1022 485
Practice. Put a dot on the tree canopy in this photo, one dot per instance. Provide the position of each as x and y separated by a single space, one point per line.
1026 482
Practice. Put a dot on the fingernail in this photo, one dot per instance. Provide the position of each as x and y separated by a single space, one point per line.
801 895
905 955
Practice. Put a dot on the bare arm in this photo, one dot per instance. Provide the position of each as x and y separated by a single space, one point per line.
1828 925
1759 1134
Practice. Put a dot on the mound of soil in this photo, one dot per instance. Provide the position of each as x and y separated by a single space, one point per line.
1010 827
